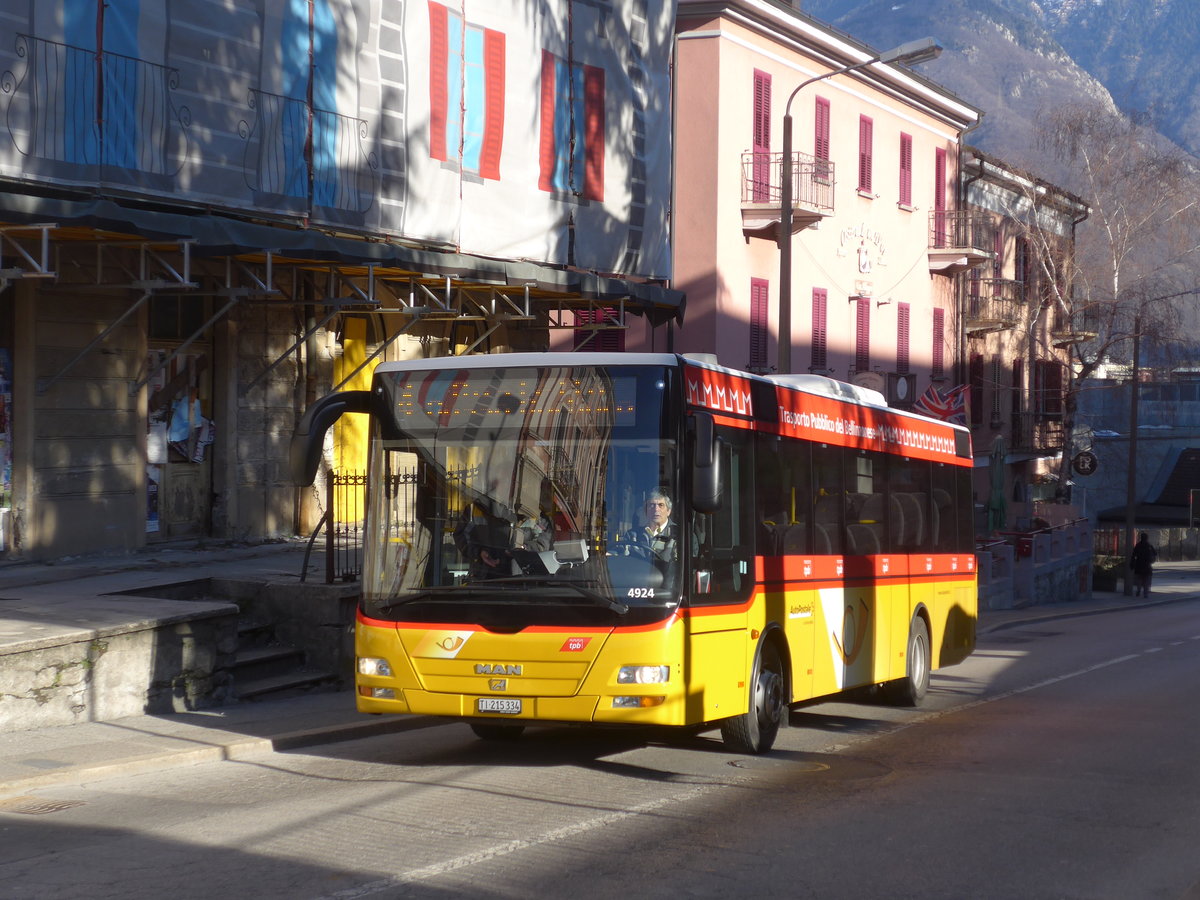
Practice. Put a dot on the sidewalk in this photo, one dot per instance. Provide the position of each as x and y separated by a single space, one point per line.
74 753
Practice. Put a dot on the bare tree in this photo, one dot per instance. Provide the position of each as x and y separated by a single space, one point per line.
1136 255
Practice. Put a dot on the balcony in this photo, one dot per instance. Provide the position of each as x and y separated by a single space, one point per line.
812 192
959 240
993 304
1079 327
342 172
1035 433
113 115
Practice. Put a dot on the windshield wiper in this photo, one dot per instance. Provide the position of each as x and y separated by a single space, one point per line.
549 581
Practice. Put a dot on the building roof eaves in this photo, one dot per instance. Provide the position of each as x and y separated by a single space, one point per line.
788 24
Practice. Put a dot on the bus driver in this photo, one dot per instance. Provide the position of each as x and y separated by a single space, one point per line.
657 531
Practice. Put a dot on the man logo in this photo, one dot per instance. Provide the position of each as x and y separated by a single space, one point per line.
497 669
498 684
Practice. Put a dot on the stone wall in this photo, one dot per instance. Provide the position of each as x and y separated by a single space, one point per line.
180 663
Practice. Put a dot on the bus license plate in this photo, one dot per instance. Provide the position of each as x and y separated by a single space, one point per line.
504 705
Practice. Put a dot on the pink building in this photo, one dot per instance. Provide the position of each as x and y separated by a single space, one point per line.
878 229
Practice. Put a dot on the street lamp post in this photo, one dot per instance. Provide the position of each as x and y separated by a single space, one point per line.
910 53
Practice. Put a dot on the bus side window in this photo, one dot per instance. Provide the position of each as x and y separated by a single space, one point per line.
783 505
910 511
828 498
866 503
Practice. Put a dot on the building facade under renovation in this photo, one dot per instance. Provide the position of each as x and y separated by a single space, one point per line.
213 213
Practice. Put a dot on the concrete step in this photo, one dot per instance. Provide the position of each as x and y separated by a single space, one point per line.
290 684
253 663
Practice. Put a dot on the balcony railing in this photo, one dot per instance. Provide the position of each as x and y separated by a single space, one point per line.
76 106
959 239
1079 326
993 304
343 172
762 191
1034 433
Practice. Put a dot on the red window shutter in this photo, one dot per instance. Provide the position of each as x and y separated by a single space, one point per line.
762 112
976 381
493 116
439 50
821 129
905 169
939 179
547 156
939 343
1052 388
903 317
820 299
593 132
866 129
761 138
759 288
862 342
604 340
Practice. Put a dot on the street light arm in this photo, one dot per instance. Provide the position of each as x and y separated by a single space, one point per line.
910 53
787 110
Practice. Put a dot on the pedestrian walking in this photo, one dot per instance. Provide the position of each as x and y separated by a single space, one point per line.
1141 561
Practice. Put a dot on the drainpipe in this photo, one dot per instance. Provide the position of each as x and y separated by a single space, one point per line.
960 364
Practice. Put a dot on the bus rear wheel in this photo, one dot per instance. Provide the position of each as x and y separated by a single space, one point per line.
910 690
755 730
496 731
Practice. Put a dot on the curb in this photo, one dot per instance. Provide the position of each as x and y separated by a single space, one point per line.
233 748
1079 613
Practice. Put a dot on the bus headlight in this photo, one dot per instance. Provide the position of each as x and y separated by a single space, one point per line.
373 665
643 675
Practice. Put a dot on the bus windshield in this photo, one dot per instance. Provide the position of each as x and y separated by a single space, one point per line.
523 487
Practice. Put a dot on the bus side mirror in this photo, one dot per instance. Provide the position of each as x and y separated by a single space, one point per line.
706 466
305 452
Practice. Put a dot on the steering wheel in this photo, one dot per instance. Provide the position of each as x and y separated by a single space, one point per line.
641 551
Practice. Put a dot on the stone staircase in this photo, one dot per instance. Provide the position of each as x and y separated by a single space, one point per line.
265 666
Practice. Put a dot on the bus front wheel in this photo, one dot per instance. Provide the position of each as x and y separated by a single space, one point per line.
754 731
910 690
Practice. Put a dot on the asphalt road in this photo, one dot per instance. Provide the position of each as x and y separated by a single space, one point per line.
1058 762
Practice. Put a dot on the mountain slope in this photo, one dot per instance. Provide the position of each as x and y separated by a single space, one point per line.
1144 53
1005 56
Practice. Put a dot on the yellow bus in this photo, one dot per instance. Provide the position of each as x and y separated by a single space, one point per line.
514 572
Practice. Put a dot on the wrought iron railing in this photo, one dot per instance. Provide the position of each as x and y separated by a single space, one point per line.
277 160
965 228
74 105
812 180
993 303
1034 433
